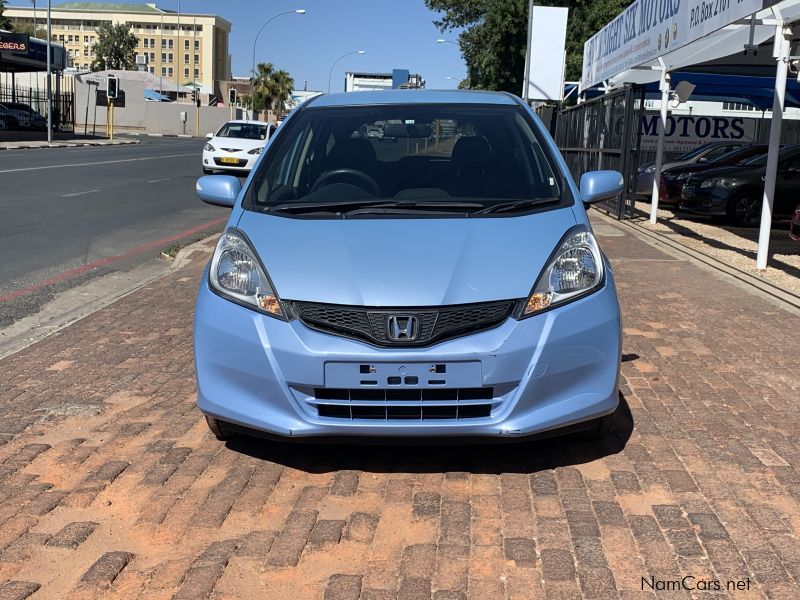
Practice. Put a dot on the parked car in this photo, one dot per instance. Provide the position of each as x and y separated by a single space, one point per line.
736 192
672 179
236 146
25 116
701 154
794 226
369 290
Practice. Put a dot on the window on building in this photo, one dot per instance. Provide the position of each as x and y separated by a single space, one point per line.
197 44
163 43
86 52
86 39
170 71
151 70
164 71
186 72
186 59
170 43
152 57
169 57
163 57
738 106
185 44
196 73
196 59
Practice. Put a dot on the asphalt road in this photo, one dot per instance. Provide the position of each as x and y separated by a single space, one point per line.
67 215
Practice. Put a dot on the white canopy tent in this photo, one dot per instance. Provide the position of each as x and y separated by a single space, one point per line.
774 20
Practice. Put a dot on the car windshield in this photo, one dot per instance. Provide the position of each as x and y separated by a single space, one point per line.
245 131
695 152
457 156
738 156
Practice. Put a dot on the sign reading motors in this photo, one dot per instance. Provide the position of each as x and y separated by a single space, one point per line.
648 29
14 42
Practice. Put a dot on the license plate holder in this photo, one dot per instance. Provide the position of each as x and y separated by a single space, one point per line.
229 160
392 375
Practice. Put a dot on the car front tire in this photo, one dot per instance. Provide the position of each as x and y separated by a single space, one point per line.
217 427
745 210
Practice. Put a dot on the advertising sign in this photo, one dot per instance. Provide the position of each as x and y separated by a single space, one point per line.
544 64
648 29
685 132
14 42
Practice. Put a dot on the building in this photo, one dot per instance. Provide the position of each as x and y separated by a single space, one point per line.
397 79
181 48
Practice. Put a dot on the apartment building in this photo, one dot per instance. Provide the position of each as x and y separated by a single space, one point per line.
182 48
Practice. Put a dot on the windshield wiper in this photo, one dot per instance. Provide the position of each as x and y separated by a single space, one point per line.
348 206
508 206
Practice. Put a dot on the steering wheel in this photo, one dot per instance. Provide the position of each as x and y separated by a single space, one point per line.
372 185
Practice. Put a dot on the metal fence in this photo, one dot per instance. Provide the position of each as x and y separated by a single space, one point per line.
603 133
35 97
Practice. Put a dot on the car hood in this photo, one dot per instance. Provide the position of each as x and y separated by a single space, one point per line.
405 262
238 143
737 171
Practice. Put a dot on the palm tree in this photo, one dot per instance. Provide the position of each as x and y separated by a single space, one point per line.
261 81
280 88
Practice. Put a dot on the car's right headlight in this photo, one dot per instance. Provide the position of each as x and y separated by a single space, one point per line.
721 182
237 274
209 148
575 270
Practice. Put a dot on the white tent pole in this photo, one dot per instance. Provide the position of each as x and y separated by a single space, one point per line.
783 47
49 73
662 129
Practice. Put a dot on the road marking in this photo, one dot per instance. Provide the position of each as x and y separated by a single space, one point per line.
102 262
102 162
158 180
79 193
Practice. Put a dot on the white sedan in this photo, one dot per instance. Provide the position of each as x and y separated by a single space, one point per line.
236 146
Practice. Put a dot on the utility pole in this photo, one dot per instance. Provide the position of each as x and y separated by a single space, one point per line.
49 69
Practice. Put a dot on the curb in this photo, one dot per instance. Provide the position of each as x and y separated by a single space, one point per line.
24 146
786 299
168 135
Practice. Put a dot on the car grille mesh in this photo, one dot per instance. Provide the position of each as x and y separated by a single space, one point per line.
434 325
405 404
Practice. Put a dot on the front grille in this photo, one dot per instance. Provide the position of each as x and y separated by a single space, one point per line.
403 404
435 324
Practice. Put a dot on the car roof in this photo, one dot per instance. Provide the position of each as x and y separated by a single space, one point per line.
411 97
249 122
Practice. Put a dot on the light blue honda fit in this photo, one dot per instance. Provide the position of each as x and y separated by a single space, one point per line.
408 264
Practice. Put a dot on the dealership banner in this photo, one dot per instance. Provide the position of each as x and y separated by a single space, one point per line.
686 132
14 42
648 29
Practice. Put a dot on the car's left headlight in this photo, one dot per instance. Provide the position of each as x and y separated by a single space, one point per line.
575 270
209 148
722 182
255 151
683 176
236 273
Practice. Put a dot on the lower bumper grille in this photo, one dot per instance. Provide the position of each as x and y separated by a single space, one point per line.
404 404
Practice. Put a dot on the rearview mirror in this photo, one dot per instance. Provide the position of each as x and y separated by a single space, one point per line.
400 130
219 190
597 186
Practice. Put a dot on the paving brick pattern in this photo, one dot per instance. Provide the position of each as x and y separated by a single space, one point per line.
112 487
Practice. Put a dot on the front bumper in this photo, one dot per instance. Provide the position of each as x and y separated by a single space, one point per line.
244 161
705 201
550 371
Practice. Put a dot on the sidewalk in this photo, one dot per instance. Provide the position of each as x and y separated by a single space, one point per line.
111 486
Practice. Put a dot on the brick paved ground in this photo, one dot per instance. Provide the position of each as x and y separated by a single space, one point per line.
111 486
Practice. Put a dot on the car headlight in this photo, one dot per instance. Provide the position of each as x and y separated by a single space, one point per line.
721 182
576 269
649 169
255 151
237 274
209 148
683 176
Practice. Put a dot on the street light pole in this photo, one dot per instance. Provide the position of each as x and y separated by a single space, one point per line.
49 70
299 11
330 74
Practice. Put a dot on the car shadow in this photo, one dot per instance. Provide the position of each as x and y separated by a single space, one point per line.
478 458
750 234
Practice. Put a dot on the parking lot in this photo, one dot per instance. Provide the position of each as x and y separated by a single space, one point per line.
112 485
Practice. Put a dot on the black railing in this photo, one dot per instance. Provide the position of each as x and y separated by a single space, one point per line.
18 96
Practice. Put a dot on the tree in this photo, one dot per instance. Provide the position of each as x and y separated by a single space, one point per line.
4 22
271 88
115 48
494 37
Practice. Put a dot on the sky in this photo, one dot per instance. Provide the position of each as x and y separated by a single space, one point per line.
394 33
